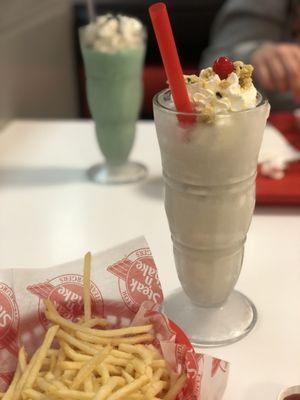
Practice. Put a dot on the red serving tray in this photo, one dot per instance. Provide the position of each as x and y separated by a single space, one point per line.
285 191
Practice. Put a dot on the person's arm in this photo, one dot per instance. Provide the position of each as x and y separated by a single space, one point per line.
242 26
257 32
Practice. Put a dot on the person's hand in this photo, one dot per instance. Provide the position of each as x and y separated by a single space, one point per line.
277 67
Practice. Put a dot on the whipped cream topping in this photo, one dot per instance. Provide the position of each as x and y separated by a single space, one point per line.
211 96
111 33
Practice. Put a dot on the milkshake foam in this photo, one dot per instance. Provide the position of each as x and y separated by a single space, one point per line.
111 33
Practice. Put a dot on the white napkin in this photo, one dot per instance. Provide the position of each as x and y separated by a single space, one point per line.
275 153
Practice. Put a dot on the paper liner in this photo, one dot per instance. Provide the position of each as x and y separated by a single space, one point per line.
124 288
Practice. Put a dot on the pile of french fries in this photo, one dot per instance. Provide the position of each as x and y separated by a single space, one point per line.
89 362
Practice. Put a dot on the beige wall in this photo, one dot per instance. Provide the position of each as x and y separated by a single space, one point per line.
37 74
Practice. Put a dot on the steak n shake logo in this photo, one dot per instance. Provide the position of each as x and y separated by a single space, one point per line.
66 293
9 320
138 279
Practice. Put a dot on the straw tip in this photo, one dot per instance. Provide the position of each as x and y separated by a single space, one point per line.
157 8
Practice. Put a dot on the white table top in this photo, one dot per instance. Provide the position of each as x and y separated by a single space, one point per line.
50 214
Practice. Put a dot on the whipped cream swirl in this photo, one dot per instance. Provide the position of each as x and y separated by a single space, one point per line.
211 96
111 33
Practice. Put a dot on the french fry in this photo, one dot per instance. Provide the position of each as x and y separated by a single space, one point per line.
138 349
116 361
127 376
46 363
176 388
133 330
94 322
79 344
74 394
70 365
103 372
44 385
88 367
22 359
107 389
34 395
60 357
96 383
155 353
129 388
86 287
121 354
59 385
72 354
51 352
41 355
143 338
88 384
53 316
24 377
159 373
158 364
113 369
9 395
129 368
69 373
67 382
156 388
53 361
137 396
149 372
49 376
139 366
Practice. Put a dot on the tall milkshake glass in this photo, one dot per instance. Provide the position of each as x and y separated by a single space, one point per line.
209 172
114 92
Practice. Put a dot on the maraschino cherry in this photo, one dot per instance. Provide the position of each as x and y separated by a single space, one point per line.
223 66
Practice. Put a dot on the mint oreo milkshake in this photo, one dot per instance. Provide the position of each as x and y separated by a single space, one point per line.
113 50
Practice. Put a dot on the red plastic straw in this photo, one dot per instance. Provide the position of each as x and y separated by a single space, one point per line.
165 39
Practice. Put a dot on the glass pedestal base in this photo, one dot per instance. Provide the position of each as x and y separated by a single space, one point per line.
212 327
111 174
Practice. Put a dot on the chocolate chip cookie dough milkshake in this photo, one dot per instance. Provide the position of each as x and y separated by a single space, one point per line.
113 50
209 168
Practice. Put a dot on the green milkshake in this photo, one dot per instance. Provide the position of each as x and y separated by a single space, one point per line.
113 50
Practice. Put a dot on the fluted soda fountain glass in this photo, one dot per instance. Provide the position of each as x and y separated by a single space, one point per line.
209 172
114 93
